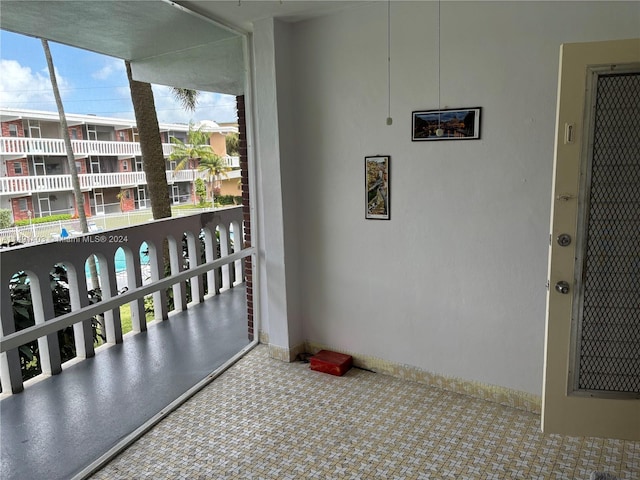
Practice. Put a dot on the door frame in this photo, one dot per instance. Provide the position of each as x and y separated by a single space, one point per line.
142 197
98 204
46 211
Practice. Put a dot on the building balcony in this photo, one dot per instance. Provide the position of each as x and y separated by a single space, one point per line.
28 185
140 372
19 147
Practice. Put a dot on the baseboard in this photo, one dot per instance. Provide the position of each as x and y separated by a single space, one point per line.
492 393
281 353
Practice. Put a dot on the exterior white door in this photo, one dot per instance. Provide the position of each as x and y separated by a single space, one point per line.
94 163
99 202
592 349
142 198
45 206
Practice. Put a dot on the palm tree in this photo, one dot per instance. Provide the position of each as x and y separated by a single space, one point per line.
196 149
150 140
71 160
150 145
187 98
232 141
216 169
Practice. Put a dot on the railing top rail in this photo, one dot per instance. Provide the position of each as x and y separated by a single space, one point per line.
21 258
13 145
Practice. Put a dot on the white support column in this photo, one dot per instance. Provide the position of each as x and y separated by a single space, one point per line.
78 298
42 302
210 254
156 264
175 260
224 251
10 371
237 246
279 285
193 249
134 279
109 289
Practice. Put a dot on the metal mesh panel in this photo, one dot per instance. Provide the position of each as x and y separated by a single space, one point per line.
609 343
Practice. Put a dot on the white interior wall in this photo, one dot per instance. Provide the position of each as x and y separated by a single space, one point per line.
454 283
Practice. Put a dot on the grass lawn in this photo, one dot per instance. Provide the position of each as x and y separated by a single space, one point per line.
125 318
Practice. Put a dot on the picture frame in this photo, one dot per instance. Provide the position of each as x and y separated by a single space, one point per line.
377 192
447 124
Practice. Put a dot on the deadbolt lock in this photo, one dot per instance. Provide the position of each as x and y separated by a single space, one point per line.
562 287
564 239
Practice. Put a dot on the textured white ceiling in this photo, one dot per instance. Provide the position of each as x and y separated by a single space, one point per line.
243 13
189 44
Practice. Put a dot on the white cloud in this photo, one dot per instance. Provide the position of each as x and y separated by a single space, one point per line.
211 106
112 66
20 87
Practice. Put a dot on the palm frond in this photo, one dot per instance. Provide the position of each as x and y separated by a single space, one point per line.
187 98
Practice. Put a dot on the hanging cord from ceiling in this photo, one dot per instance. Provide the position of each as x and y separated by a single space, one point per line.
439 131
389 119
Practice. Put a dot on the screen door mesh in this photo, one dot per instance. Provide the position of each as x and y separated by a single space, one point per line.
609 342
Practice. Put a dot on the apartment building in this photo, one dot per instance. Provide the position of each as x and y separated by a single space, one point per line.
35 179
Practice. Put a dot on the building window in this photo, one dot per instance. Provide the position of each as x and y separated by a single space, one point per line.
13 130
34 128
121 136
125 165
17 168
74 134
22 204
92 132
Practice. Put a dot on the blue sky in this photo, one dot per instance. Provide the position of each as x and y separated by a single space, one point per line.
89 84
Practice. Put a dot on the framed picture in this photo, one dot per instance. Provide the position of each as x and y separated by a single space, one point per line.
376 176
449 124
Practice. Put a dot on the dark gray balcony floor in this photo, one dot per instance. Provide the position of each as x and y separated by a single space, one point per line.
59 425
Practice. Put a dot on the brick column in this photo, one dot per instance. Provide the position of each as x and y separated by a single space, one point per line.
244 181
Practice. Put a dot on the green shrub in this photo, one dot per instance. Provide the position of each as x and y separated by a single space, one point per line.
51 218
201 191
5 218
23 315
225 199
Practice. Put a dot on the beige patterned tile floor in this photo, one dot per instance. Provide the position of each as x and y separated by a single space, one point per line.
265 419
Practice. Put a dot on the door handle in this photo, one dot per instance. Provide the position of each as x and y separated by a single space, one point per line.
562 287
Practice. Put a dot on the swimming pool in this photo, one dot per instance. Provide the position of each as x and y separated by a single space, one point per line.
120 260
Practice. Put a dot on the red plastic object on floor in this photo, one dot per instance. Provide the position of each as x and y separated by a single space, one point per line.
332 363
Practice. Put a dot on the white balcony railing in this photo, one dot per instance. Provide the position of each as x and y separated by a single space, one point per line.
21 146
17 146
60 183
223 259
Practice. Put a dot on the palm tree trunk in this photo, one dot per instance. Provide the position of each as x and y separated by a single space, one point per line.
150 146
75 181
71 160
